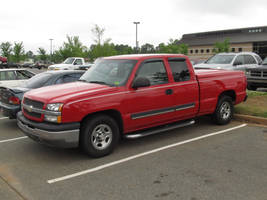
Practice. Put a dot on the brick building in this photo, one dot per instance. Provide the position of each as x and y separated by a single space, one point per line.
253 39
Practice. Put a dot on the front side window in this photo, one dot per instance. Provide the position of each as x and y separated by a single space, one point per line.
112 72
239 60
154 71
78 62
179 69
10 75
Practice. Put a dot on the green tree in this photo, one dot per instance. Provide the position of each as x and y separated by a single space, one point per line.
147 48
123 49
220 47
99 50
18 52
6 49
98 33
72 48
42 54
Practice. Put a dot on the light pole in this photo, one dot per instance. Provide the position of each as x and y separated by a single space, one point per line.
136 23
51 50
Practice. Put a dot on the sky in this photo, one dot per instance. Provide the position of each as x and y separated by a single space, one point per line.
34 22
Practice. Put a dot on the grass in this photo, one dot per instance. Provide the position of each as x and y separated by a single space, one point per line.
256 104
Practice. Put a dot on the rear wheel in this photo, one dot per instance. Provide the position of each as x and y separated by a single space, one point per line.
224 111
99 135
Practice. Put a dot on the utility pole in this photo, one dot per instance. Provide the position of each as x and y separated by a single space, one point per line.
136 41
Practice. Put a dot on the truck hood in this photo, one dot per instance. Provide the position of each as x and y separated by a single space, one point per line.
69 92
213 66
60 66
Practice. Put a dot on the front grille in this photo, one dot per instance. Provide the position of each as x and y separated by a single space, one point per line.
255 73
258 73
35 104
33 114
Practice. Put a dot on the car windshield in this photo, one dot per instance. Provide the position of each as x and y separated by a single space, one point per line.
220 59
37 81
264 62
109 72
69 61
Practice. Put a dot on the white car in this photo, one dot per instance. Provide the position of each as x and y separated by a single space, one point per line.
231 61
14 77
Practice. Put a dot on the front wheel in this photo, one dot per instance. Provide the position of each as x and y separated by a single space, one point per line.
224 111
99 135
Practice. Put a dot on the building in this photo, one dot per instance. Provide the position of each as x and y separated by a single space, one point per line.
201 45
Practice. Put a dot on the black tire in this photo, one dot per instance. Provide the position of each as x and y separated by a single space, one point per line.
93 131
224 111
251 87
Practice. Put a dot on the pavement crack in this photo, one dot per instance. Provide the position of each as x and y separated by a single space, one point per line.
13 188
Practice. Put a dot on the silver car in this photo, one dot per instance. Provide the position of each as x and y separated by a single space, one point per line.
231 61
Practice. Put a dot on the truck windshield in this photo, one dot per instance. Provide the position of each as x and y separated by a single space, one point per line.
220 59
69 61
109 72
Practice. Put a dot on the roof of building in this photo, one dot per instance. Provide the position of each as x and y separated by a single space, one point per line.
242 35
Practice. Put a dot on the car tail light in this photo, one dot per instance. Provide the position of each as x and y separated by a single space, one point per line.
14 100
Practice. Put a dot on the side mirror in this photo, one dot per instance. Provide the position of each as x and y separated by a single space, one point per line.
140 82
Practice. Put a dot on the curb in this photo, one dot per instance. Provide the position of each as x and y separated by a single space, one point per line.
251 119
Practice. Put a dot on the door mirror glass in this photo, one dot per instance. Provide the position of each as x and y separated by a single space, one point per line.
141 82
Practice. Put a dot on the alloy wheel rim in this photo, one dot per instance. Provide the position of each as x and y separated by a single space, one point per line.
225 110
101 136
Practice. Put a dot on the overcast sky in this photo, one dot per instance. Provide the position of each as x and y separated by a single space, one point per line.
36 21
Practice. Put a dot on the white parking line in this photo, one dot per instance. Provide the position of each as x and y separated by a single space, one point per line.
3 118
140 155
13 139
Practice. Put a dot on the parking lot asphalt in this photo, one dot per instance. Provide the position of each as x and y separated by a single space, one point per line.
229 165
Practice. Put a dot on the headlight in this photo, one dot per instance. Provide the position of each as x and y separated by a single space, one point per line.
54 107
57 107
247 72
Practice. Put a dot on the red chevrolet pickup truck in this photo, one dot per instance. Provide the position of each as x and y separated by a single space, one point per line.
129 96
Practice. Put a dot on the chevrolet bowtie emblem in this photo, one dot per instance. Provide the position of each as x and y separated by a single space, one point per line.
29 108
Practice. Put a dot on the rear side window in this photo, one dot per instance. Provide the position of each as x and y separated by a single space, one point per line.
155 71
249 59
179 69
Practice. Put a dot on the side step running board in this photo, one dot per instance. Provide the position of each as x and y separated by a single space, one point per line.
158 130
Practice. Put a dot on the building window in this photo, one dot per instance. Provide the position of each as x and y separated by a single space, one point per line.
240 49
233 49
202 50
207 50
191 51
196 51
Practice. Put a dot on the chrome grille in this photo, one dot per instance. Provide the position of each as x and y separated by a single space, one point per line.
34 104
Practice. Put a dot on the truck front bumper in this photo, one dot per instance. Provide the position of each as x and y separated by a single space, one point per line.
57 135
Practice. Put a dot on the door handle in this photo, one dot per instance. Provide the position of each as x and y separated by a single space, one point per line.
168 91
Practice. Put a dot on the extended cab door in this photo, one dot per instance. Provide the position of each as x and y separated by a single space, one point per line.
185 88
149 106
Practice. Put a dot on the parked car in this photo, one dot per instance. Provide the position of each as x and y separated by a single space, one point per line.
14 77
3 60
69 63
232 61
10 98
257 77
129 96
